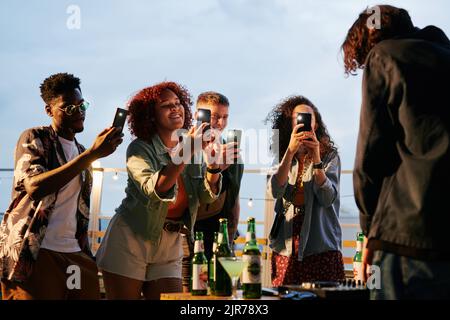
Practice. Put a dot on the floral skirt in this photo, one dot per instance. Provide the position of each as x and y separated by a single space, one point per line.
325 266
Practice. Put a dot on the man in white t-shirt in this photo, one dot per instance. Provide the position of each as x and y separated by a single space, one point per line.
44 250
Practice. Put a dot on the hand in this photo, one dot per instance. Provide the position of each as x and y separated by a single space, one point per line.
295 143
106 142
312 145
230 153
195 136
218 155
367 259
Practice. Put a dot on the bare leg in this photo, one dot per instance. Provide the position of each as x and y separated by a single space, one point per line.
121 288
152 289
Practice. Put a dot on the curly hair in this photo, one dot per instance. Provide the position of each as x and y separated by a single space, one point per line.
58 84
361 37
141 108
281 119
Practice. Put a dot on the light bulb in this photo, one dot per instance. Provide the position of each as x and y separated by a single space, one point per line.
250 203
116 177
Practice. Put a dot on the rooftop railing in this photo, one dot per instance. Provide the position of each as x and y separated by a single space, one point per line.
96 228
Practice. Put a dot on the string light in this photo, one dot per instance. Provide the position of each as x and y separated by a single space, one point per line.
250 200
115 176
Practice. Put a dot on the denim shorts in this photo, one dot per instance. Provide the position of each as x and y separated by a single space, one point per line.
125 253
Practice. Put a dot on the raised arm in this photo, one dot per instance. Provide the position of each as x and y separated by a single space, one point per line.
47 182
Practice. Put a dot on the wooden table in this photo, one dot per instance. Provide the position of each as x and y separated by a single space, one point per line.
188 296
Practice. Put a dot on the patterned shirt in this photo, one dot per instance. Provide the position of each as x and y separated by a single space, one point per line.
25 221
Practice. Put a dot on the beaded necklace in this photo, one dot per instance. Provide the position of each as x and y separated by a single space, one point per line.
306 163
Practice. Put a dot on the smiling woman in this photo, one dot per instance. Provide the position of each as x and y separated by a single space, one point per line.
141 252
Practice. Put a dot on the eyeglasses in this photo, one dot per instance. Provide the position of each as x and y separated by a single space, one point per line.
70 109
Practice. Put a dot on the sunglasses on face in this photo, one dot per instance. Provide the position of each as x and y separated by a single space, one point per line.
71 109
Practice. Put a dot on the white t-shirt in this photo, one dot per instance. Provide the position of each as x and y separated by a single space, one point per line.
62 225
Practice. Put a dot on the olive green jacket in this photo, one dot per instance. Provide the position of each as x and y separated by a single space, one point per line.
143 209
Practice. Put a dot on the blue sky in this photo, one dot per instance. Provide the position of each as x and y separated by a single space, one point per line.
254 51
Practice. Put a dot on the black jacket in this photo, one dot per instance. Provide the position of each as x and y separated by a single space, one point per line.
402 167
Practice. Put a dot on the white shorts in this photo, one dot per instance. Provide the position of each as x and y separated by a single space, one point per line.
126 253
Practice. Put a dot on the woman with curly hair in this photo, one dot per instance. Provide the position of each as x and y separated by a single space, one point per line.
306 234
141 253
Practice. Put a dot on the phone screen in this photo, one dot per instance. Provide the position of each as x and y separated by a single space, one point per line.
120 118
304 118
204 115
234 136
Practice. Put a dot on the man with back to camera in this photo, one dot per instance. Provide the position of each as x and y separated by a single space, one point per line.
402 171
43 235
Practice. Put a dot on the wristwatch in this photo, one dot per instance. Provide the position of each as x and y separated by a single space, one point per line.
318 165
214 171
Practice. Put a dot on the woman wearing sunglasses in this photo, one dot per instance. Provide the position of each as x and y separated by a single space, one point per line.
141 253
306 234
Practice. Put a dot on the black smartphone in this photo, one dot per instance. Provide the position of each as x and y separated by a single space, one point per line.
304 118
234 136
120 118
204 115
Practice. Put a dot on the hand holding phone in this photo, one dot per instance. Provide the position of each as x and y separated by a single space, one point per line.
120 118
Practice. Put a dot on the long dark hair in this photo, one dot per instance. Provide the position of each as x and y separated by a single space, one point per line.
281 119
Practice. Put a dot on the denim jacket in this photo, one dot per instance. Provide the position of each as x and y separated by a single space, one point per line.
143 209
321 230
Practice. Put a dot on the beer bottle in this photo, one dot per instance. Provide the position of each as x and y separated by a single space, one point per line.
222 281
251 276
199 276
211 265
357 259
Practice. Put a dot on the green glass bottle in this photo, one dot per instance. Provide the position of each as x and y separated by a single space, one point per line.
222 281
211 265
251 276
357 259
199 275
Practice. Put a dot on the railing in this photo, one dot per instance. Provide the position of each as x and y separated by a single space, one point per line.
96 216
96 234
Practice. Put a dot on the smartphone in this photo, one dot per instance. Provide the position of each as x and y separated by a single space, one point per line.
204 115
234 136
120 118
304 118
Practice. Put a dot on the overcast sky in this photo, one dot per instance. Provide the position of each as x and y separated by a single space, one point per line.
255 52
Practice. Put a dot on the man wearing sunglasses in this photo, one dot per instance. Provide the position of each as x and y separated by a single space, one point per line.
44 250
